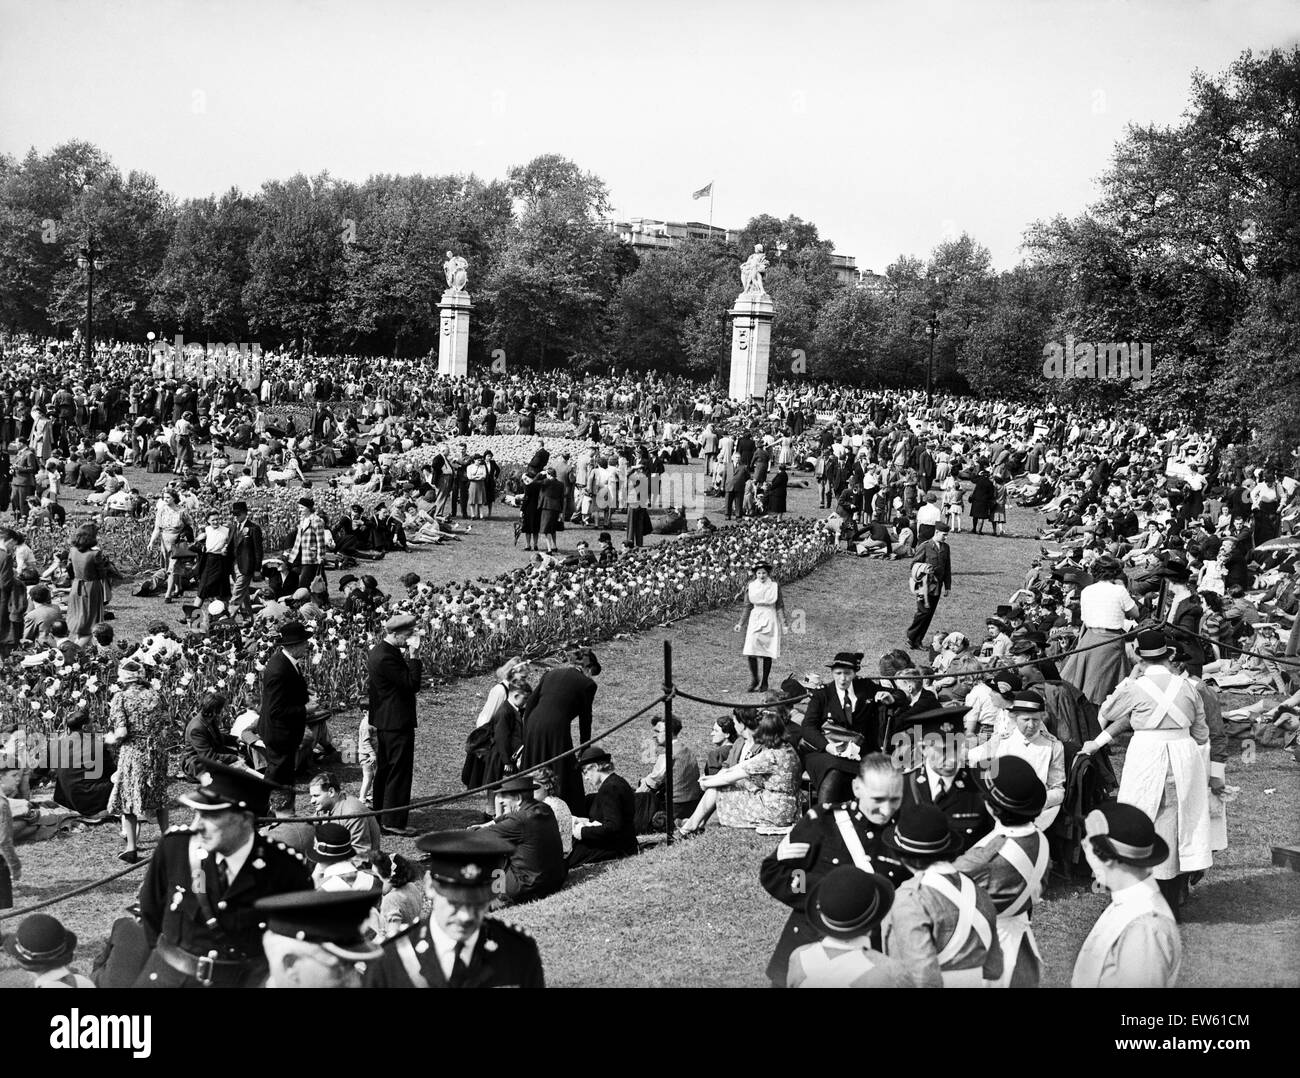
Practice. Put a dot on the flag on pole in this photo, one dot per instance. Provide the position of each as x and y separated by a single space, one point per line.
705 191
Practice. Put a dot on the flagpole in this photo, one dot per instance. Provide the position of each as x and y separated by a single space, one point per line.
710 209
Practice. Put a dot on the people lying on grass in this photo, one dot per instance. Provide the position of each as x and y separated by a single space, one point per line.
685 781
759 791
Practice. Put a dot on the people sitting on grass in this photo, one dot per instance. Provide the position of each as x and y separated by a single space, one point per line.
760 791
608 831
686 791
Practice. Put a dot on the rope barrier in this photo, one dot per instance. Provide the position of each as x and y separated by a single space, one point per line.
7 914
733 704
443 799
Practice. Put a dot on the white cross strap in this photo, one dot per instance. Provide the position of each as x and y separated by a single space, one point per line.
1165 701
968 916
1031 872
852 841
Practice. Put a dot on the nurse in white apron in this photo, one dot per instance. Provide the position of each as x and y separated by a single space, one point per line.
763 624
1164 772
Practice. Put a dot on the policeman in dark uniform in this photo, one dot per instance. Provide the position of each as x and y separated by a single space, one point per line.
459 947
196 901
827 837
536 866
315 939
937 775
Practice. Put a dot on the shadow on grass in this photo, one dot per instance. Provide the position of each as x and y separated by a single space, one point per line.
1258 899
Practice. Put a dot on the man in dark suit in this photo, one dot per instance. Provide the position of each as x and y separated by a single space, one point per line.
934 554
745 448
459 946
940 777
536 866
282 721
737 477
196 901
394 681
247 547
850 703
610 828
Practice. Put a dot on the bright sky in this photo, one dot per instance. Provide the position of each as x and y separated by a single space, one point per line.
889 124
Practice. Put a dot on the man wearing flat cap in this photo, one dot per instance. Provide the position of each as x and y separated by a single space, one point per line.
314 939
394 680
459 946
196 901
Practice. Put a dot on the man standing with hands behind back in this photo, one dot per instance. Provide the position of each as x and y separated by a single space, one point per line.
394 681
246 546
286 700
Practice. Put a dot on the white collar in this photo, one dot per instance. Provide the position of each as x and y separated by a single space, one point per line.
1137 892
235 861
445 947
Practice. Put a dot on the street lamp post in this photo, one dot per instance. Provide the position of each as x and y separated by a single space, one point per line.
931 331
90 258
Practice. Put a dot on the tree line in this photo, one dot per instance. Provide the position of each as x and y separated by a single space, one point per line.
1192 247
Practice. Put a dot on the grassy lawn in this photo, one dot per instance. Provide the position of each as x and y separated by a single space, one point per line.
694 914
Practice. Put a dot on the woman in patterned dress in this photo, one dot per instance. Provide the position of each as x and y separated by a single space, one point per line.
139 729
760 790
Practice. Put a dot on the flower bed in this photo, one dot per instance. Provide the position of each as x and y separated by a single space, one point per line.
505 448
465 630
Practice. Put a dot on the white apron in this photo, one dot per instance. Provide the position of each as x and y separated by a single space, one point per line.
1013 922
763 637
1152 756
1218 809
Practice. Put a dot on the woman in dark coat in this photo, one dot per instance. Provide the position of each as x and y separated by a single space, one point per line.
492 479
530 510
982 501
552 506
507 726
776 488
565 692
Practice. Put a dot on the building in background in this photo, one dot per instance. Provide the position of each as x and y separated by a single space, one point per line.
650 234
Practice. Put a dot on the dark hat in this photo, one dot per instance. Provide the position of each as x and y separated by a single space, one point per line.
1025 645
922 831
517 784
942 527
1013 785
332 919
222 787
239 507
307 502
1001 625
935 720
1004 611
294 632
603 537
1009 678
761 565
346 579
333 842
1176 571
400 623
464 858
1153 644
852 659
41 942
1028 701
848 902
593 754
1125 833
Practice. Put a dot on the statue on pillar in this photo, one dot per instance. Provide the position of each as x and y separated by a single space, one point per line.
751 273
457 270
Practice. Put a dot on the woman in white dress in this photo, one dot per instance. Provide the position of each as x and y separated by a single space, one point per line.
763 624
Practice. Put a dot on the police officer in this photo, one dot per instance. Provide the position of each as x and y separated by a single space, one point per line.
314 939
940 777
828 837
196 901
536 866
459 947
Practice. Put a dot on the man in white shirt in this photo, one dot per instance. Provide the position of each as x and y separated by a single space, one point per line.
927 516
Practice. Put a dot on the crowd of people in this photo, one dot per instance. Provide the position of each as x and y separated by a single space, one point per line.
951 777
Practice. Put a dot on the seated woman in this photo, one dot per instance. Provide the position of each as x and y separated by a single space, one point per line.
58 574
291 469
207 735
759 791
421 527
722 738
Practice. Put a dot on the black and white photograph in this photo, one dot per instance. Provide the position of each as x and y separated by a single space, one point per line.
675 495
